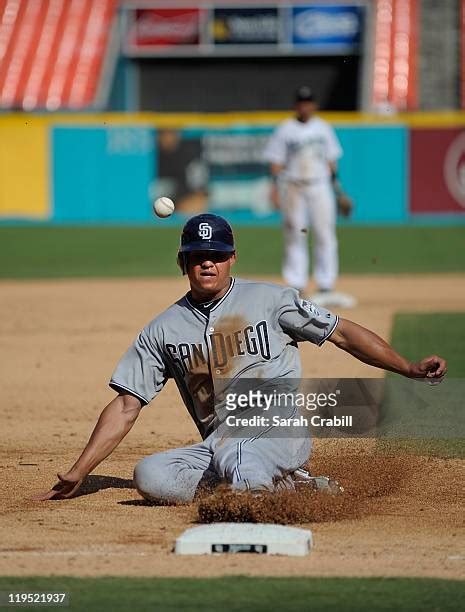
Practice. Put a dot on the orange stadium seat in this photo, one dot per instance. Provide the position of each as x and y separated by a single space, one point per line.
52 52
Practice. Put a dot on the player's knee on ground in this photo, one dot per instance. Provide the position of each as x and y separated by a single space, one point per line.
149 478
157 479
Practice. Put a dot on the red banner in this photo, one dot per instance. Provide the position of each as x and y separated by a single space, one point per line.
165 28
437 171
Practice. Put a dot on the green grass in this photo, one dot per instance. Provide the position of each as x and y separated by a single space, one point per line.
60 252
243 594
417 405
421 334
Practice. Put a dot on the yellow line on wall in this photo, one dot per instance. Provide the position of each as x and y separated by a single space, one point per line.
179 120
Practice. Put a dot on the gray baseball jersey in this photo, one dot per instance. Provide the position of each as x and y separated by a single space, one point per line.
252 332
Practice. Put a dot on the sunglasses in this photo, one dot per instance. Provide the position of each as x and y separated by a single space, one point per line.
199 257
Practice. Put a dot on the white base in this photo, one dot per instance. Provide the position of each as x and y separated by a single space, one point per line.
244 537
333 298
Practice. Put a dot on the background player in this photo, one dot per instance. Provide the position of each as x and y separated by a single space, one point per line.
220 332
303 152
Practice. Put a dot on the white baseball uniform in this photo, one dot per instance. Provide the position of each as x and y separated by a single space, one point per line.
305 150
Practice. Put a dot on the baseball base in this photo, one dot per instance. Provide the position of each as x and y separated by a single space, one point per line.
244 538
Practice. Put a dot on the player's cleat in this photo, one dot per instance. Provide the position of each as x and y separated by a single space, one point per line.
324 484
334 299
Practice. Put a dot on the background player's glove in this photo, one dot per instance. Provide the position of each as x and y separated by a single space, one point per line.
345 204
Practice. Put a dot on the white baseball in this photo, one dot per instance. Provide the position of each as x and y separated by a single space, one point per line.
163 207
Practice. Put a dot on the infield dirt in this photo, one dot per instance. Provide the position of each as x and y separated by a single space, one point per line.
402 516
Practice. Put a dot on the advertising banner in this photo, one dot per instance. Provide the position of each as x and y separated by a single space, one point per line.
214 169
328 27
245 26
164 28
437 162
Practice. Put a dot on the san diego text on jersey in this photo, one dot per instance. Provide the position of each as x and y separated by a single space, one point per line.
252 340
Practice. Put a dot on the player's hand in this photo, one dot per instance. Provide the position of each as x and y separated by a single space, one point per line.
274 196
67 486
433 368
345 205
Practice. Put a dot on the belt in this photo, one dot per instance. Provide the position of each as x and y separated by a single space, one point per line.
306 182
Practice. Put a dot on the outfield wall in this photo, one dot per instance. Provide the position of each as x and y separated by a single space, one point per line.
108 168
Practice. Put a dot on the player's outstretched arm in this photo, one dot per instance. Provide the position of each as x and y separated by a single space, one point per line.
114 423
368 347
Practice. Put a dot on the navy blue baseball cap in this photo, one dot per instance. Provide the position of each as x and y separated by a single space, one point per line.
207 232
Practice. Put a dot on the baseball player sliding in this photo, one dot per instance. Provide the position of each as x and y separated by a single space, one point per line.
303 153
223 331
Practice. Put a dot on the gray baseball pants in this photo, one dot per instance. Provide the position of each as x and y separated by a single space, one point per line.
182 474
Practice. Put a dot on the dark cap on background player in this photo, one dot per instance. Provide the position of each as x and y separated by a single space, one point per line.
304 94
305 103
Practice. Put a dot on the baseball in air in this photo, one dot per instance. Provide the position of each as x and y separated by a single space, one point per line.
163 207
